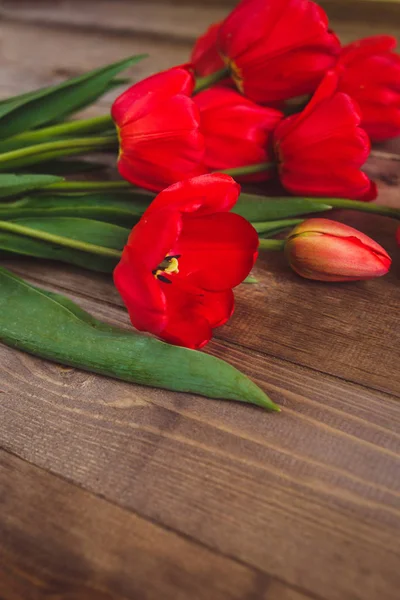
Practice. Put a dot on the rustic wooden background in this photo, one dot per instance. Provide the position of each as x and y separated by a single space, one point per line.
114 491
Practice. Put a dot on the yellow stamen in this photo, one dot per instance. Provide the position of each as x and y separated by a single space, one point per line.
173 266
168 266
236 73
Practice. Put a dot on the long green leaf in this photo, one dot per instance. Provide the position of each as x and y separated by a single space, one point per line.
261 208
120 209
64 167
53 327
13 185
83 230
43 106
12 245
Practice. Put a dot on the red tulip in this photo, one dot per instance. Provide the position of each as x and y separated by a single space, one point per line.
205 56
159 130
183 258
277 49
325 250
320 150
370 74
237 132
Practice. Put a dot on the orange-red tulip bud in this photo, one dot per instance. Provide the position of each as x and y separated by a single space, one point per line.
325 250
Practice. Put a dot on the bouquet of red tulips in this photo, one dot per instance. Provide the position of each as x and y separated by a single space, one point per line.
269 99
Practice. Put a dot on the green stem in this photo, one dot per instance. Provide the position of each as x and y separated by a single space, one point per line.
266 226
248 170
94 125
202 83
275 245
57 239
368 207
93 186
40 152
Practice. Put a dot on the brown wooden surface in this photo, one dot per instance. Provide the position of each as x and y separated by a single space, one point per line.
115 491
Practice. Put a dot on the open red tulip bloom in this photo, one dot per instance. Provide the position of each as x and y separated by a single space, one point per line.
277 49
237 132
183 258
320 151
159 130
369 72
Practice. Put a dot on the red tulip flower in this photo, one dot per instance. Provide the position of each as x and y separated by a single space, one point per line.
237 132
183 258
159 130
320 150
370 73
277 49
325 250
205 56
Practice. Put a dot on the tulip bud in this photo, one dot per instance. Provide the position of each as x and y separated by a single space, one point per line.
325 250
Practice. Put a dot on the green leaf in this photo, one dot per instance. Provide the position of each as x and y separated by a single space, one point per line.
64 167
262 208
43 106
121 209
12 244
83 230
250 279
53 327
13 185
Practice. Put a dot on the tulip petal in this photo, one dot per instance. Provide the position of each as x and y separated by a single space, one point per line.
326 250
142 295
177 80
200 195
152 239
217 251
369 72
280 48
163 144
337 259
237 131
205 56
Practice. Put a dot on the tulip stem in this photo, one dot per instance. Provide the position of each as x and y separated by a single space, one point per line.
94 125
57 239
94 186
40 152
273 227
202 83
275 245
249 169
368 207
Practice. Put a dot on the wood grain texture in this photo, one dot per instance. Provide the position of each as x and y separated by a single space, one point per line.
127 492
175 20
264 490
98 551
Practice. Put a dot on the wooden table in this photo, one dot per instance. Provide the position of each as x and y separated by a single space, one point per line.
115 491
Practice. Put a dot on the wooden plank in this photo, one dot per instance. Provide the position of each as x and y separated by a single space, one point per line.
79 51
352 19
58 540
125 18
316 485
